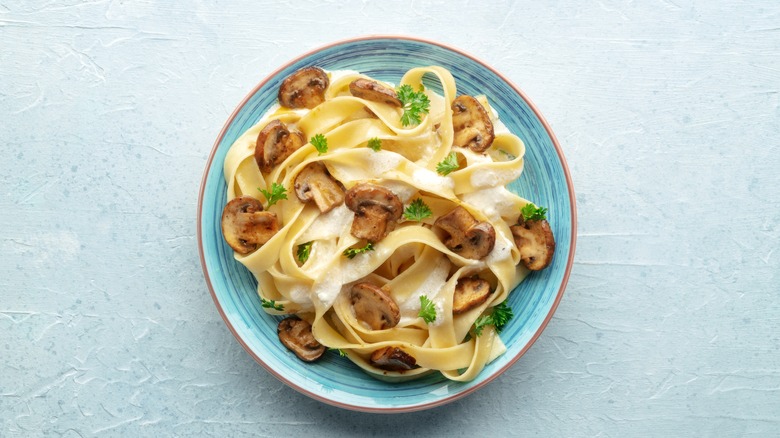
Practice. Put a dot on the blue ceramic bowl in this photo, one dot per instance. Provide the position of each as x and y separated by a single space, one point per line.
545 181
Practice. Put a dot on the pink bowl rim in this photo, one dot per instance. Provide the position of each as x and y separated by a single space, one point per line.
500 371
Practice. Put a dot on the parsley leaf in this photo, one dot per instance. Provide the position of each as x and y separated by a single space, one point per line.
271 304
507 154
339 351
320 143
532 213
350 253
417 211
480 323
427 310
448 164
278 192
498 318
304 250
501 315
375 144
414 103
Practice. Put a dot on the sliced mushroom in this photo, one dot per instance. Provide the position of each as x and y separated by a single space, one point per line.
275 143
465 235
374 91
376 211
470 292
296 335
535 241
315 183
393 359
246 226
374 306
304 89
471 123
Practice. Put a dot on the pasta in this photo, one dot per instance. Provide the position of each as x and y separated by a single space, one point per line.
368 221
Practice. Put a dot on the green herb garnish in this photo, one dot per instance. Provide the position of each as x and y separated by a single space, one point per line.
507 154
375 144
417 211
339 351
448 164
532 213
501 315
498 318
278 192
414 104
480 323
304 249
320 143
350 253
427 310
271 304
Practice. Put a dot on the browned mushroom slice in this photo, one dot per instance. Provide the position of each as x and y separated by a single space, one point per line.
304 89
275 143
393 359
469 293
376 211
246 226
296 335
315 183
374 91
471 123
535 241
374 306
465 235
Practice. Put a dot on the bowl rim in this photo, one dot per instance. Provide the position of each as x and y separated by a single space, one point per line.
488 379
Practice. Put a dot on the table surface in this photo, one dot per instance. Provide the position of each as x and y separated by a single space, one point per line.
668 113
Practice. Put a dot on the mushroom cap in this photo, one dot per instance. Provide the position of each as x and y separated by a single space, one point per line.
466 236
314 182
471 123
470 292
393 359
374 306
305 88
535 241
374 91
376 211
275 143
245 226
296 335
365 195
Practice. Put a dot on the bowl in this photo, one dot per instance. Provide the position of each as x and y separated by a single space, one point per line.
545 181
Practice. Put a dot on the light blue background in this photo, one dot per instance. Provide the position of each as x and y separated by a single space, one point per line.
669 116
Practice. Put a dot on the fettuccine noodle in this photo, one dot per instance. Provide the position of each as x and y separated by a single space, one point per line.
412 259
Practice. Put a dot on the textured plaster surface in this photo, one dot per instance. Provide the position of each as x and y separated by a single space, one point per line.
668 113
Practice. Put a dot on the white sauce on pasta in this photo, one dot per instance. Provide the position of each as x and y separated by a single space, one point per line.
411 261
431 181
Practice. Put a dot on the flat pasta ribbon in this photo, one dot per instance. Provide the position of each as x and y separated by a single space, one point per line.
411 261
